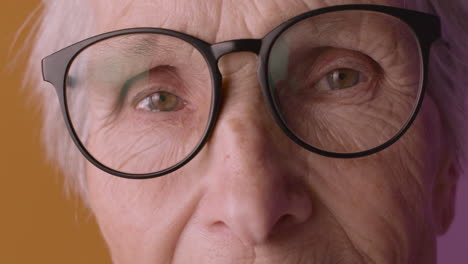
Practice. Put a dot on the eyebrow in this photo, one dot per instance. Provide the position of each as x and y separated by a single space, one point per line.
136 48
133 47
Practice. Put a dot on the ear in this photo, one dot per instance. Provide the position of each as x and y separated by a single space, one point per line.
444 196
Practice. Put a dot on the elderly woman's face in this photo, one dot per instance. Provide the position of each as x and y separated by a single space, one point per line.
254 196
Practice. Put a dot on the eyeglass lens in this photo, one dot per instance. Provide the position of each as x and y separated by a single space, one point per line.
347 81
139 102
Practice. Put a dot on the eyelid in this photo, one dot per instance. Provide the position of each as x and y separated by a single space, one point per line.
146 95
142 95
333 58
157 70
329 59
163 78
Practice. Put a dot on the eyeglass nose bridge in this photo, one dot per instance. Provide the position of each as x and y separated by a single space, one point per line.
220 49
238 45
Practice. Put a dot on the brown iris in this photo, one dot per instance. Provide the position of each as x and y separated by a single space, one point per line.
163 102
342 78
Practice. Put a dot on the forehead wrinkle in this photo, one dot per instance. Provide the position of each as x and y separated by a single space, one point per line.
396 3
242 11
211 21
174 15
135 48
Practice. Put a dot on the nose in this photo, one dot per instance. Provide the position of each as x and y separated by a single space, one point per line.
255 186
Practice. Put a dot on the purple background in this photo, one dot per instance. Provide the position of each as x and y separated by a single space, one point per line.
453 246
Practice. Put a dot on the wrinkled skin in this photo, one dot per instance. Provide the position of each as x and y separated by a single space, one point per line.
254 196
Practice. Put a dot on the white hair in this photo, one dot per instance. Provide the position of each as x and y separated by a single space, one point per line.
59 23
64 22
447 82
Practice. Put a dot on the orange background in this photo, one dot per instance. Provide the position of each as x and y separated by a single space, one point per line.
38 224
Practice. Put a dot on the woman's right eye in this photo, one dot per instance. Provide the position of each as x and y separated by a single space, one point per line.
160 102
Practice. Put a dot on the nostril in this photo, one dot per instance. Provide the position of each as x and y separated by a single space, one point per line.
218 227
286 218
283 222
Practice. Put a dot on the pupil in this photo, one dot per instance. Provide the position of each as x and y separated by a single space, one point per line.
342 76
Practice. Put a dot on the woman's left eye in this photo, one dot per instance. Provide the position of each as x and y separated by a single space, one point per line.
160 102
342 78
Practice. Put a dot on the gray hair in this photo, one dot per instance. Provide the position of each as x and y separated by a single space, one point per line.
64 22
59 23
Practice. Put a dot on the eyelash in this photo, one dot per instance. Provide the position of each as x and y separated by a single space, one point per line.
369 69
339 65
146 93
166 84
132 92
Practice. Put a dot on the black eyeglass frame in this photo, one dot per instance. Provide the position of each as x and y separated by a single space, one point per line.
55 69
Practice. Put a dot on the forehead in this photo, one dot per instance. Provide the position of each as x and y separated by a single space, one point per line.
210 20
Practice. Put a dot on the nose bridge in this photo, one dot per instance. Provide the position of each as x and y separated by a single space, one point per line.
237 45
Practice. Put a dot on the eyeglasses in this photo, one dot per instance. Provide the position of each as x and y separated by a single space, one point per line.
343 81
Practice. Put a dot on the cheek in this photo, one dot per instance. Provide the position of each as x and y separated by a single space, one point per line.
120 204
141 220
383 201
422 146
140 142
351 128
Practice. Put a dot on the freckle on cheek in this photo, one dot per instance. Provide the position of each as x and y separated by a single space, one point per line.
236 125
